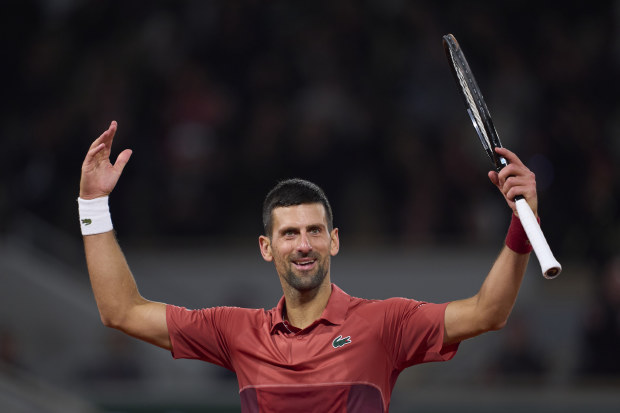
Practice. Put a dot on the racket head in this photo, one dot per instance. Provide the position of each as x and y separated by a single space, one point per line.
474 101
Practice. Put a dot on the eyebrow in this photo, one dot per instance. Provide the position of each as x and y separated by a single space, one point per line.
296 229
288 229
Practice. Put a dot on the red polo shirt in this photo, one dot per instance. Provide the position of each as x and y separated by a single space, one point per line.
346 361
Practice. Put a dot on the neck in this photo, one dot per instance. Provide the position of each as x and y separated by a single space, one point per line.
304 307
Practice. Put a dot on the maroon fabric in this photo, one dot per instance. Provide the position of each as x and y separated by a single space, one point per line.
350 357
517 239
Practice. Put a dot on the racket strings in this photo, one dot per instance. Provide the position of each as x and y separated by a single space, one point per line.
471 102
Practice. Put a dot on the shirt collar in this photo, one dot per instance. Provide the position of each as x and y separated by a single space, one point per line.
334 312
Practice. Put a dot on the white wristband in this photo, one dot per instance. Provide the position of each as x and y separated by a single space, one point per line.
95 215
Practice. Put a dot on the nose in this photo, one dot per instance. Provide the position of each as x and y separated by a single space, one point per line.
304 243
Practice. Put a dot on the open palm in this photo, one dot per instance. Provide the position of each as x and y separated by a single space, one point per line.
99 175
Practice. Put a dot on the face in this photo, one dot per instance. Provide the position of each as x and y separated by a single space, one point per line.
300 245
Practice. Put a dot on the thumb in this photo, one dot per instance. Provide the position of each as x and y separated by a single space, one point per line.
122 160
494 177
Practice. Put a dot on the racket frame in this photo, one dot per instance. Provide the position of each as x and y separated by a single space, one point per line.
483 124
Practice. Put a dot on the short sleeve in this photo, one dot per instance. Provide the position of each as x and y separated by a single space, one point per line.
416 329
201 334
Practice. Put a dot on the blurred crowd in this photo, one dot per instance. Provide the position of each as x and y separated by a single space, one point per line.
220 99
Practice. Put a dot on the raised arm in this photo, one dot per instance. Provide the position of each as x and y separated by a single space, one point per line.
490 307
120 304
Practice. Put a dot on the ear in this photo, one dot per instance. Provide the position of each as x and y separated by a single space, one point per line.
265 248
335 244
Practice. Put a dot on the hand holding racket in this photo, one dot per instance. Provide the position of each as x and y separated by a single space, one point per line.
514 181
481 119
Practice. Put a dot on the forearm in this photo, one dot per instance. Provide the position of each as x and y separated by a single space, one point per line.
490 308
120 304
113 284
499 291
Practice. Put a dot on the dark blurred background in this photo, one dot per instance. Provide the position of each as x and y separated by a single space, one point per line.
221 99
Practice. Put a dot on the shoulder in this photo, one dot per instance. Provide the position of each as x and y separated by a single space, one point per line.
215 316
382 307
393 302
396 308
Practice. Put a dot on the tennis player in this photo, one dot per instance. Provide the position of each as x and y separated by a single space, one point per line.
319 349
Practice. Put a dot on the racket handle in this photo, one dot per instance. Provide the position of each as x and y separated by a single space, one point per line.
551 268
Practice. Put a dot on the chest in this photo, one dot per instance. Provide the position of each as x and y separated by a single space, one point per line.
350 352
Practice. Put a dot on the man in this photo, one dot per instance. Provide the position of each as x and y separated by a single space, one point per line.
319 349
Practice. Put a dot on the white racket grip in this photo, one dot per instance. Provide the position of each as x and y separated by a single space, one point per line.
551 268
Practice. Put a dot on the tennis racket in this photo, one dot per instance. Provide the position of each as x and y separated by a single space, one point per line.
480 117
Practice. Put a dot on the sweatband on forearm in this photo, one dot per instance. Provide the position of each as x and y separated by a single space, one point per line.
517 239
95 216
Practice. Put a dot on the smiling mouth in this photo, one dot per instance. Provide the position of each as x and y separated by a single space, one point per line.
304 264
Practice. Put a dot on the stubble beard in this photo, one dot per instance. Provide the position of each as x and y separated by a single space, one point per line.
306 282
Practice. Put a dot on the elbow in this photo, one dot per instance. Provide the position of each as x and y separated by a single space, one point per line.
490 321
497 325
493 318
111 320
115 314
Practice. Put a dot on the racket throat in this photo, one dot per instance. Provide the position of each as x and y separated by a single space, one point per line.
483 140
500 162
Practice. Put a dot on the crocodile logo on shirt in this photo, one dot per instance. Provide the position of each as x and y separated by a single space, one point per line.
87 221
340 341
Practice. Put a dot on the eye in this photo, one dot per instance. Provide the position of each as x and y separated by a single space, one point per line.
314 230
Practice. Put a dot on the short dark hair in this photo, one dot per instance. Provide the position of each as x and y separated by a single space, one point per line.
291 192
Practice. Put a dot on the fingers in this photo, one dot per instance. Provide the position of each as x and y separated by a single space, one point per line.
93 152
515 179
510 156
515 167
518 186
122 160
509 177
512 171
514 176
99 175
106 137
100 148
